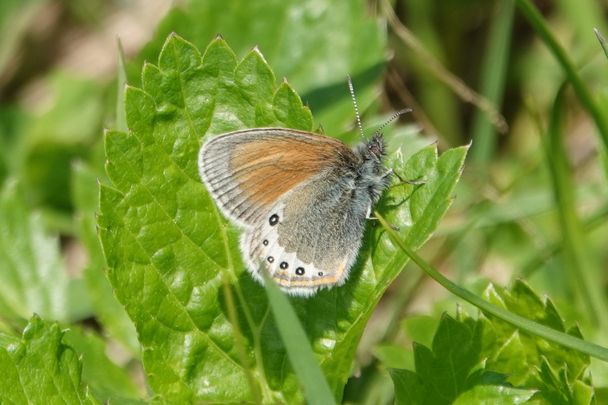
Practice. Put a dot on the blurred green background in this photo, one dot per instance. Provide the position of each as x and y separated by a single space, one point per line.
473 71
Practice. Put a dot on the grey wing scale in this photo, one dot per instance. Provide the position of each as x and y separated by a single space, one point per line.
316 239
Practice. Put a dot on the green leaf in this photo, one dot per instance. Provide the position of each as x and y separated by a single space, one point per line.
107 381
40 368
105 305
494 395
54 139
409 387
33 277
529 360
170 251
446 370
294 39
488 361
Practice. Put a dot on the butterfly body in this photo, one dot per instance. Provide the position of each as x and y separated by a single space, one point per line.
302 199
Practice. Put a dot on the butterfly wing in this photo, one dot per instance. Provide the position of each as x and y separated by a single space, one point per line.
247 171
314 238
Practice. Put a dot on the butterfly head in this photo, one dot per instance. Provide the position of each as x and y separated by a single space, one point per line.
375 147
372 152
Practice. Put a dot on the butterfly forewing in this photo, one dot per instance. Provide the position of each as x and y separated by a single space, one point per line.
248 171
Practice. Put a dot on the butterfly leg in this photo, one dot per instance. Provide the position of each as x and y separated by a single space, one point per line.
417 182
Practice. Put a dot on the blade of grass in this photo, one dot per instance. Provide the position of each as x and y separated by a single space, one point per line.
578 265
520 322
536 20
121 115
311 378
494 68
602 41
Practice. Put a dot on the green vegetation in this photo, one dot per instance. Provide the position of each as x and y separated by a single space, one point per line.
121 282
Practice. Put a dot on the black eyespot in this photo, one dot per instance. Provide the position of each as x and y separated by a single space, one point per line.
283 265
274 219
265 242
320 274
300 271
270 259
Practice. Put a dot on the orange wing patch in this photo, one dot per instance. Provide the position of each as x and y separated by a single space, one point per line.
273 165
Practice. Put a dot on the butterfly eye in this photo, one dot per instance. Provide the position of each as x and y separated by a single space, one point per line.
320 274
274 219
283 265
300 271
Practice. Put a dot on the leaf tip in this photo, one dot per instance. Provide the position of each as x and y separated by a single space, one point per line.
256 51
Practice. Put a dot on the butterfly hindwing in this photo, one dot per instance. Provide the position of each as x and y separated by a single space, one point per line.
310 238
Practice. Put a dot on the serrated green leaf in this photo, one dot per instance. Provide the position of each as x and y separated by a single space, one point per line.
498 362
170 251
40 368
408 387
557 388
446 371
33 277
294 38
557 373
518 350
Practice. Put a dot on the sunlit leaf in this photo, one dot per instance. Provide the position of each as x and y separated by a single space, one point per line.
170 250
40 368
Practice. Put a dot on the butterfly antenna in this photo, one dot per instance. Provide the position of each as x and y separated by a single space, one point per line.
352 95
392 118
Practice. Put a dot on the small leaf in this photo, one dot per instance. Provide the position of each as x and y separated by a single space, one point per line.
526 348
494 395
409 388
40 368
33 277
444 372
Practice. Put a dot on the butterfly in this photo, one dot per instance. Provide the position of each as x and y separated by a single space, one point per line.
303 200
